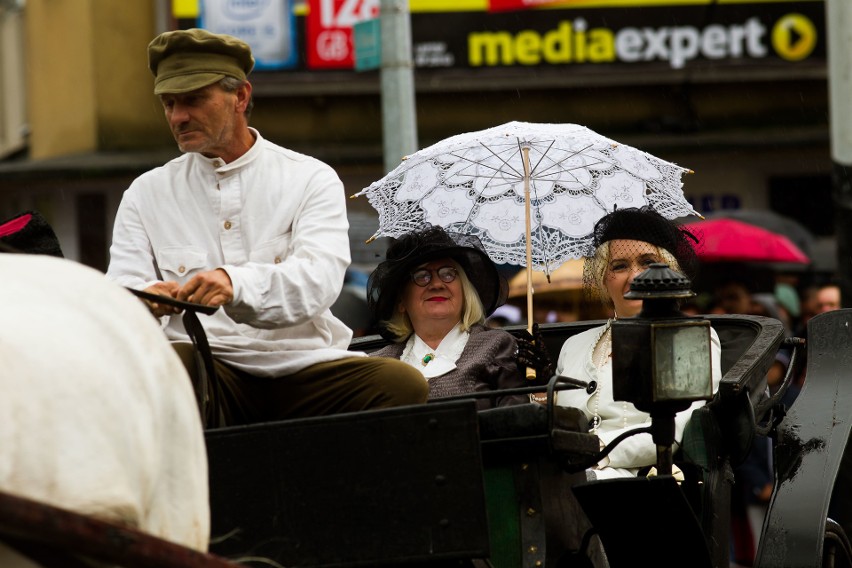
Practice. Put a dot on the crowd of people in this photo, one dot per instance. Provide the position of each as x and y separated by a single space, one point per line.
260 232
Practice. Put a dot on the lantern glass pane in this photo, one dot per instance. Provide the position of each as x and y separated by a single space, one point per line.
682 361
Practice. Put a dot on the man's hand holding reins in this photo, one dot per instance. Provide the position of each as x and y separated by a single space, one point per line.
211 288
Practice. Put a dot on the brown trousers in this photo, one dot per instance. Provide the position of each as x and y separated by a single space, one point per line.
346 385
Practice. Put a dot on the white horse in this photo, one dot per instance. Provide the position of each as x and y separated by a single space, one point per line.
97 414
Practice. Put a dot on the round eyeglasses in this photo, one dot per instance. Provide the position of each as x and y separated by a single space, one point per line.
423 276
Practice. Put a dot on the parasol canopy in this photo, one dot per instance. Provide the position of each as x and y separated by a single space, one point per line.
475 183
531 192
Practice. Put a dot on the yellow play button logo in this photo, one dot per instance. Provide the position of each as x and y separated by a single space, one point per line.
794 37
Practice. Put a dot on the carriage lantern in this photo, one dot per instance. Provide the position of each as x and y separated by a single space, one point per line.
661 358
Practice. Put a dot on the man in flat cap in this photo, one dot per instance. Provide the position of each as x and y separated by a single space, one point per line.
257 229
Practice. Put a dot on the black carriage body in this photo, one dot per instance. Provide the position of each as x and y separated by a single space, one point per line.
386 488
361 489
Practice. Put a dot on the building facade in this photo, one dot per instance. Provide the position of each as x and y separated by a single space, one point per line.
734 90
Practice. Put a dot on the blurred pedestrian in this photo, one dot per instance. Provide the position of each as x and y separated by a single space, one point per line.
828 298
733 296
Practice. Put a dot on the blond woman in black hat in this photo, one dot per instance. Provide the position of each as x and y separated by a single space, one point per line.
431 297
257 229
626 243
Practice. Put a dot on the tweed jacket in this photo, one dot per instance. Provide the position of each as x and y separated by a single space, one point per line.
487 363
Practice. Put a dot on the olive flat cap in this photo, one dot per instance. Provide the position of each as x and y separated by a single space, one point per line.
186 60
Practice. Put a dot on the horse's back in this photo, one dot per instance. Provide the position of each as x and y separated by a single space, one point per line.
99 414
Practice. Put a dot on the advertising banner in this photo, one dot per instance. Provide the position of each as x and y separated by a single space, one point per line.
328 31
268 27
581 39
586 36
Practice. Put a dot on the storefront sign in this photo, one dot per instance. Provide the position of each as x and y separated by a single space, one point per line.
268 26
328 25
677 37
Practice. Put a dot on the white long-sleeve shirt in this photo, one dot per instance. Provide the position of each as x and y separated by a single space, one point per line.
617 417
275 221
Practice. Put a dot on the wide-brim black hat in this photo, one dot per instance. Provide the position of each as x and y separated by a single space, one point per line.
415 248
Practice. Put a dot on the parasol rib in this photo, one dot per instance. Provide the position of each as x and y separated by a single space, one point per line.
549 171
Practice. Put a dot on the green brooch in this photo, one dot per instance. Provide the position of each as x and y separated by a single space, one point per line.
427 358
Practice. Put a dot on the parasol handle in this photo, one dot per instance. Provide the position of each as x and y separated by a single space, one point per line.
526 154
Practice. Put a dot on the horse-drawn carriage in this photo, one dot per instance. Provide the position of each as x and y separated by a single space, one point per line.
443 484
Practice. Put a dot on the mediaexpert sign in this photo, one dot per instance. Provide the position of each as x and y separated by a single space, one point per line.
676 37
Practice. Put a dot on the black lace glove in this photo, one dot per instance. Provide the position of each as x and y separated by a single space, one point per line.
532 353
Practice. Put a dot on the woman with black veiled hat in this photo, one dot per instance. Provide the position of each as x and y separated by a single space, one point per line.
431 297
627 242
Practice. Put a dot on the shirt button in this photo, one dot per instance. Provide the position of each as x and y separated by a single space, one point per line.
182 269
277 259
227 225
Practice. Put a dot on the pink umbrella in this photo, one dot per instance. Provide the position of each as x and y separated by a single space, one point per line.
727 240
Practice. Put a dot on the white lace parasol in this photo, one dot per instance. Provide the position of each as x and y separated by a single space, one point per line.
475 183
